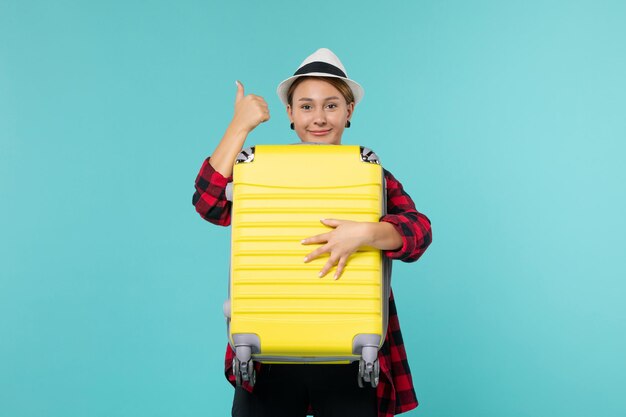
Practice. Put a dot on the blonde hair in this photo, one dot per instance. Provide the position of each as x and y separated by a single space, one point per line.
338 83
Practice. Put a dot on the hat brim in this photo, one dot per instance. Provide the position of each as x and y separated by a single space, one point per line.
283 87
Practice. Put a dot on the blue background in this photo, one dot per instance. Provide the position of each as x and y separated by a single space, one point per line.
505 121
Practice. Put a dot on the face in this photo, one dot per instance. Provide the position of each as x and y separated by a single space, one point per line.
319 112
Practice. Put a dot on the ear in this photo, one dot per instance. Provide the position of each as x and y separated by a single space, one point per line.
289 113
350 110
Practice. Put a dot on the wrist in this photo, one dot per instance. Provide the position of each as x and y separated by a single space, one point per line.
238 129
370 231
384 236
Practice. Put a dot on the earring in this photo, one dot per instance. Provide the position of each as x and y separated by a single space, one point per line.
291 126
348 124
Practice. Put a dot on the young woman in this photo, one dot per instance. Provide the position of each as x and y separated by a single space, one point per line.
320 101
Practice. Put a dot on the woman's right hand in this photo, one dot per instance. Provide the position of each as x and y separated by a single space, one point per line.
250 111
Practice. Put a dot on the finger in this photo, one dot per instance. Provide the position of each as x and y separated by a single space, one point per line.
239 94
315 254
340 267
329 264
258 98
323 238
331 222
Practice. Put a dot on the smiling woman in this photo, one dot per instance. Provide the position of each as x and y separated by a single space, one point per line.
320 101
323 108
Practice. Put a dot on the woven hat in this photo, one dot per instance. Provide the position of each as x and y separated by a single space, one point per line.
322 63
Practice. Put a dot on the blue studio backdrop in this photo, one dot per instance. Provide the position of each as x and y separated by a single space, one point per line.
505 121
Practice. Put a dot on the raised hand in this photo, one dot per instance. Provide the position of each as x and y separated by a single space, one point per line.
250 110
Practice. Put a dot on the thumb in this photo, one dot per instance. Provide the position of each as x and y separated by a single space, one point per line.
239 95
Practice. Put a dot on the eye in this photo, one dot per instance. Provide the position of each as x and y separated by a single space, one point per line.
306 107
331 105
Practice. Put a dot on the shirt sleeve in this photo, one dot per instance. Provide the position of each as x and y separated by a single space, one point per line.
210 196
413 226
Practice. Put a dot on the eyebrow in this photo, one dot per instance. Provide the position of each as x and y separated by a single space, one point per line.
327 98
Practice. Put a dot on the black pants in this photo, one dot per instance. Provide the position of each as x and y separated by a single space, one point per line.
287 390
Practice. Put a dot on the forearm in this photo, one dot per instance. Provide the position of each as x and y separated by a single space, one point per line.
415 231
227 150
383 236
210 196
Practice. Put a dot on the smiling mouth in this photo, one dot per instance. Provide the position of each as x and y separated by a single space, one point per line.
319 132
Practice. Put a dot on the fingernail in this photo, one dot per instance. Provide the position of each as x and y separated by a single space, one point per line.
306 258
237 83
336 277
320 275
302 241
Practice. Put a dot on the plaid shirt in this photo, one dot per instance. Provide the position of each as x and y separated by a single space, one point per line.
395 391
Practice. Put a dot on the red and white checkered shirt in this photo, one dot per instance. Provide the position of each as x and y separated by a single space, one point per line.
395 393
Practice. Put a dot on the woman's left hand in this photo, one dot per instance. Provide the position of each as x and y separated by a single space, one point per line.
346 238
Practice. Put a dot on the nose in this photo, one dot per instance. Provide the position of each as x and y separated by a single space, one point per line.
320 117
